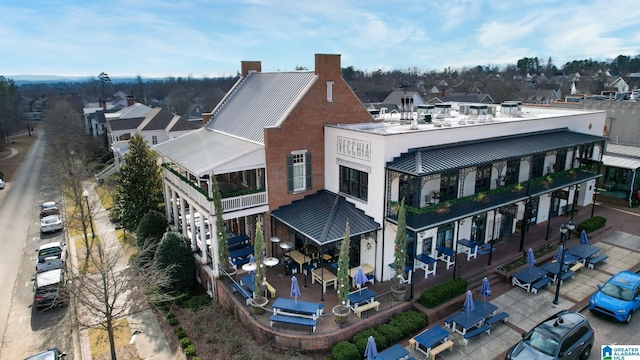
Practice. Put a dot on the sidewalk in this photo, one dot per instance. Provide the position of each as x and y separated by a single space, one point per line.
526 310
150 341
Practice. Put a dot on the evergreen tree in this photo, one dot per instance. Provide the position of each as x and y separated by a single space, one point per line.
258 250
221 236
174 253
149 233
139 183
343 268
400 249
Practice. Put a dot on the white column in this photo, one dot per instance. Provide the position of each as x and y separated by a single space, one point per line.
174 202
203 238
167 202
214 247
184 217
192 226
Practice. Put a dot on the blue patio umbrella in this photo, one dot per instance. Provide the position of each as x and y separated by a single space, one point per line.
295 290
468 303
531 258
252 260
360 278
371 351
485 289
584 240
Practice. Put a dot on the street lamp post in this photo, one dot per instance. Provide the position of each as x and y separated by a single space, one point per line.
86 197
563 239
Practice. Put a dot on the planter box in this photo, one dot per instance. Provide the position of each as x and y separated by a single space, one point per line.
443 310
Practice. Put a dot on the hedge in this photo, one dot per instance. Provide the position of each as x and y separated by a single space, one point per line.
441 293
592 224
345 350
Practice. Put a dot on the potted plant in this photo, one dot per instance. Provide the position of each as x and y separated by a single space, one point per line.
341 311
259 300
224 262
441 208
517 187
399 289
546 182
482 197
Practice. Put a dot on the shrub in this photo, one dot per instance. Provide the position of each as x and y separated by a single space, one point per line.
392 333
196 302
177 328
345 350
361 339
170 315
190 350
196 358
592 224
409 322
184 342
181 334
438 294
173 321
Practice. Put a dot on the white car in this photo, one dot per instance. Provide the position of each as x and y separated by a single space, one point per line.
51 223
51 256
1 184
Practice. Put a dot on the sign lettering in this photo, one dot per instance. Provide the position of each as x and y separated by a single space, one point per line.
354 148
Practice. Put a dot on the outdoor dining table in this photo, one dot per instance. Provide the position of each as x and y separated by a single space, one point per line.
484 308
525 277
299 258
325 277
446 254
241 253
396 352
367 268
424 262
471 248
466 321
583 252
553 268
297 307
360 297
430 338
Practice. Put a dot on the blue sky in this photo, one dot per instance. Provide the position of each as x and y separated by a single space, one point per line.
157 38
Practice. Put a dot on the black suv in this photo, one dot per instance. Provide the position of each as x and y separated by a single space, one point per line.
565 335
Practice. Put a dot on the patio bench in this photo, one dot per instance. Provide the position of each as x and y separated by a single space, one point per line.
540 284
362 308
243 292
469 334
271 289
591 262
240 261
440 348
296 320
503 316
566 275
576 267
448 320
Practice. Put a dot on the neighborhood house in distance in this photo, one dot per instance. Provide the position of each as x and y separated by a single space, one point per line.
300 153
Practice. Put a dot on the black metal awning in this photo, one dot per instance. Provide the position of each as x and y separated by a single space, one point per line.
438 159
321 217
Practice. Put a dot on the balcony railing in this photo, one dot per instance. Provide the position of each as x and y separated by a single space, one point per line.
228 204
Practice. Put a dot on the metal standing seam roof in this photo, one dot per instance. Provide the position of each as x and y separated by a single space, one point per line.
624 150
321 217
434 160
621 162
263 100
200 151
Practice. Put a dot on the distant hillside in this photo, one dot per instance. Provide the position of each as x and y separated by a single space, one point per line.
39 79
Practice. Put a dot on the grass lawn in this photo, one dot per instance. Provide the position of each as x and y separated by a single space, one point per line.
99 341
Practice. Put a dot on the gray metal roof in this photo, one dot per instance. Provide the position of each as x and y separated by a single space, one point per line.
624 150
321 217
261 100
201 151
434 160
621 162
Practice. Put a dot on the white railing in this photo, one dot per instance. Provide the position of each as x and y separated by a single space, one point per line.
228 204
107 171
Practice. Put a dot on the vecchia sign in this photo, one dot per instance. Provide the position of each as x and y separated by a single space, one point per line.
354 148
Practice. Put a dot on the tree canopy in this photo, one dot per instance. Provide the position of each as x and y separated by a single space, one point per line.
174 253
139 183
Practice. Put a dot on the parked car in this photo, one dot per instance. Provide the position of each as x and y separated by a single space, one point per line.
51 256
51 223
1 184
49 208
565 335
51 354
49 289
619 297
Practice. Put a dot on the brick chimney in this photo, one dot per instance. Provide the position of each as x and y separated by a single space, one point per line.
247 66
104 104
328 66
205 118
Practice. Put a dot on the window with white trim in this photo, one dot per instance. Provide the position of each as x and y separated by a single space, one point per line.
330 91
299 171
154 140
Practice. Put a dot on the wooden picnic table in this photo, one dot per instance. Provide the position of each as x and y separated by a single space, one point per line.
525 277
368 270
429 338
284 305
325 277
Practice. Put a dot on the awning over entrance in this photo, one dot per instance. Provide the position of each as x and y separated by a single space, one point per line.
321 217
621 162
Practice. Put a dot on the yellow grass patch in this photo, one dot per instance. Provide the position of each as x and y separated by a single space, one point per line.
105 194
81 252
99 339
128 242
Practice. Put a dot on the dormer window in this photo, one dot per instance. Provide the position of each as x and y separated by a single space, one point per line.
329 91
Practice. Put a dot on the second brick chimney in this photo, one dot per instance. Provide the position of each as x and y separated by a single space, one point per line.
248 66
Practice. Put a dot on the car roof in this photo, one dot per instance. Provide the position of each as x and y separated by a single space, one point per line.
49 204
54 216
45 355
626 278
51 244
561 323
49 277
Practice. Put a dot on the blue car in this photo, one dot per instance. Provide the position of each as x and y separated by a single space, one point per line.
619 297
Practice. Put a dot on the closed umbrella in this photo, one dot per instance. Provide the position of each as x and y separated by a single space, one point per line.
371 352
584 240
252 261
558 255
485 290
360 278
531 258
468 302
295 290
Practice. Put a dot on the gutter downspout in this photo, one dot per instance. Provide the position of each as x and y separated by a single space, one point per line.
633 181
384 223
